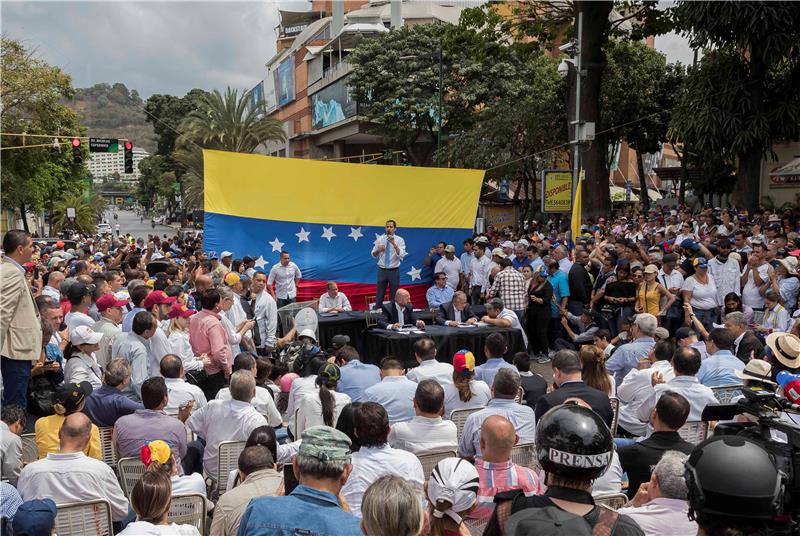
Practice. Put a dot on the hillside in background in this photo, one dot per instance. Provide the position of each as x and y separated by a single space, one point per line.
114 111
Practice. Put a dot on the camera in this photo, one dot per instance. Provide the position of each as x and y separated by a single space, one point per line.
781 439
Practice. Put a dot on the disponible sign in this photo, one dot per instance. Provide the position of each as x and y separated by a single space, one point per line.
556 190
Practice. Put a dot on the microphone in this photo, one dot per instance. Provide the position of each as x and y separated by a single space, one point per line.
790 383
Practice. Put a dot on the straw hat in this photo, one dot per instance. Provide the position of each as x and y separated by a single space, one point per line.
786 348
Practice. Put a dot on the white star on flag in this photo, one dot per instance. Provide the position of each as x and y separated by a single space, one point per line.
302 236
355 233
327 232
260 262
414 273
276 244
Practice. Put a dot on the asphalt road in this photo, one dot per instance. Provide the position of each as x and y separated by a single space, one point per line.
129 223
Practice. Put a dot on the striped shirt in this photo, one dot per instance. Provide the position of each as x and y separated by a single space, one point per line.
501 477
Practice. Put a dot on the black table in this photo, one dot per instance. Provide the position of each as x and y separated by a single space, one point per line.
352 324
380 343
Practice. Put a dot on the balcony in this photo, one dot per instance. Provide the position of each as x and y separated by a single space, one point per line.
331 75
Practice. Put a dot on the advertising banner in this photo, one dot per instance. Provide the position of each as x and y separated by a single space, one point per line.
332 104
556 190
284 81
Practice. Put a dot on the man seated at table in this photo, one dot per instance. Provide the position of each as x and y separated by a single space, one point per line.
455 312
497 315
333 301
429 367
396 314
439 293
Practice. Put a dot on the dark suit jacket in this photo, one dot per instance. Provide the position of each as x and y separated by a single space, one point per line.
389 315
596 399
533 387
447 312
638 459
749 343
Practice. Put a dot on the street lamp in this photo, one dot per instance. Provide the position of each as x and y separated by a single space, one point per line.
440 91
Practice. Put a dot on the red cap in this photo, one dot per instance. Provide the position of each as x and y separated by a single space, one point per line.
107 301
180 310
59 244
157 297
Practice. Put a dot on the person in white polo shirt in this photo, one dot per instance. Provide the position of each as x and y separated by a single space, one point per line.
451 266
427 432
429 367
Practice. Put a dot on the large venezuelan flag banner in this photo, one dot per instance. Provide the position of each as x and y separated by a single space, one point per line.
327 215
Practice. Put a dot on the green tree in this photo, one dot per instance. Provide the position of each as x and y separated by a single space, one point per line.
165 113
553 23
31 92
222 121
745 95
638 93
89 207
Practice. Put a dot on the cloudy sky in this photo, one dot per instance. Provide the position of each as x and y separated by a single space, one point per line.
167 47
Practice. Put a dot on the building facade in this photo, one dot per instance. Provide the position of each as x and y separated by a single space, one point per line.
112 165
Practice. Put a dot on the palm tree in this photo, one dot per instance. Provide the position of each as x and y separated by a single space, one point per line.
226 122
89 207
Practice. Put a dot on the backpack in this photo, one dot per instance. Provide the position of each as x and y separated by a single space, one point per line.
553 521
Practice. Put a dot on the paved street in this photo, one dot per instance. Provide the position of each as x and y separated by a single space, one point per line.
129 223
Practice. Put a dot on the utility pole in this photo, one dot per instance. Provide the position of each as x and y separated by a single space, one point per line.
578 124
439 114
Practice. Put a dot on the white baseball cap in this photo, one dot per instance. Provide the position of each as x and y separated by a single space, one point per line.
507 244
84 335
226 254
308 333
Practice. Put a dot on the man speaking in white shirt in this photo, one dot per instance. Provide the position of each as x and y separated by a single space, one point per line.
389 250
284 276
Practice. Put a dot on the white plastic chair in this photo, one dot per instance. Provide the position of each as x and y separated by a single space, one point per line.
30 453
429 461
188 509
694 431
615 408
612 500
459 417
130 471
524 454
107 446
227 460
82 518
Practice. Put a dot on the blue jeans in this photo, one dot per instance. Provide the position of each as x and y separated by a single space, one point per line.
707 317
16 374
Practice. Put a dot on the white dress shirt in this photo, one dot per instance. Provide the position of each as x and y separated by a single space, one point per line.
135 350
751 295
266 316
611 480
481 394
726 276
394 258
72 477
299 389
10 454
284 278
326 303
371 463
263 403
180 392
662 517
181 347
83 368
511 315
233 336
236 316
309 412
159 347
451 268
479 272
432 369
698 395
423 435
635 388
219 421
140 528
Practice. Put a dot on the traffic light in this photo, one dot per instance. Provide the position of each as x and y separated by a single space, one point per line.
77 154
128 157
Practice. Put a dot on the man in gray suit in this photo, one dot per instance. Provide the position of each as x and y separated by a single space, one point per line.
454 312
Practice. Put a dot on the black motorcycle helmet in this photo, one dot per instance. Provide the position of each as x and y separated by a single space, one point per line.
573 442
733 476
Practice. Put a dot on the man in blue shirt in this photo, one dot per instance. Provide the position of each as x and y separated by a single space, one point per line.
395 392
467 256
521 258
440 292
356 376
721 366
494 348
322 466
108 403
627 356
560 283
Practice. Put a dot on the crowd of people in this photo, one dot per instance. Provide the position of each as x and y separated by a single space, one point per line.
154 339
